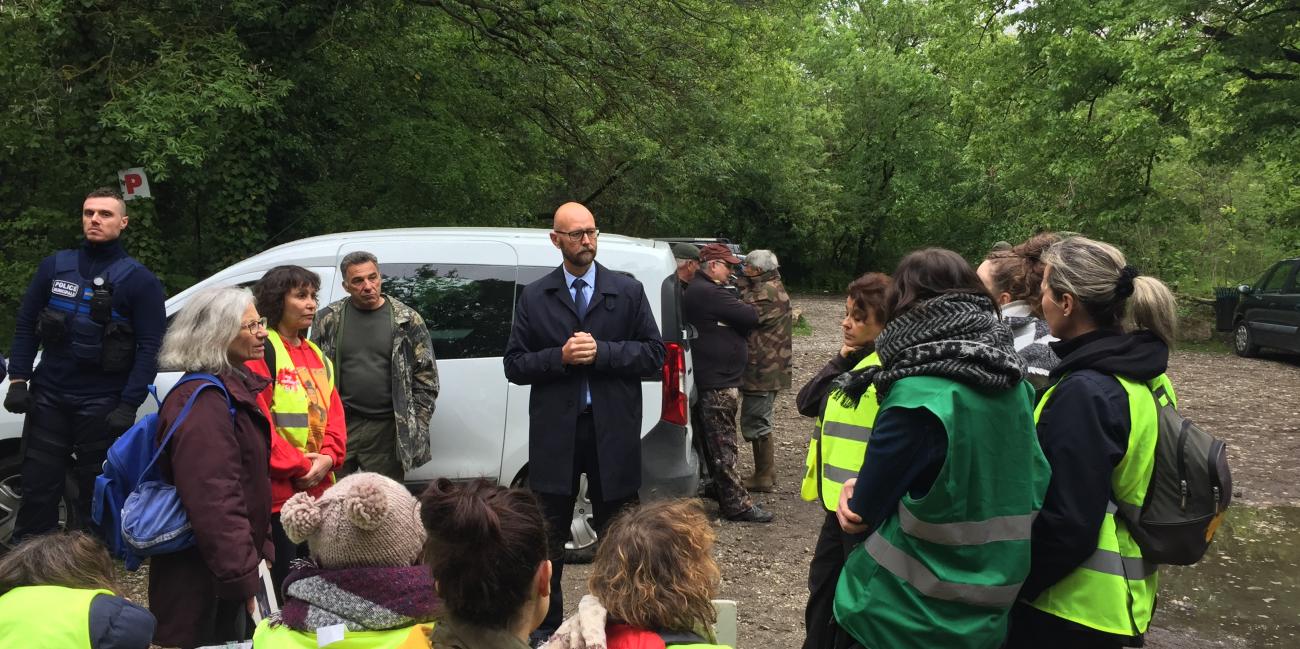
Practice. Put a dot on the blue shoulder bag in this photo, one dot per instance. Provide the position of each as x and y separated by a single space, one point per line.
153 519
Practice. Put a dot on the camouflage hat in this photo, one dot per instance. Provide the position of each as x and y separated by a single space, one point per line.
713 251
686 251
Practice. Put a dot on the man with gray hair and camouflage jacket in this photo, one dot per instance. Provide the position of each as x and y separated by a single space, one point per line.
770 362
386 374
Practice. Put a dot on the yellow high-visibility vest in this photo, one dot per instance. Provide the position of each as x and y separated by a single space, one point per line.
839 443
1098 593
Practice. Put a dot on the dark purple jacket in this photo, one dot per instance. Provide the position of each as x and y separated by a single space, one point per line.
722 322
219 468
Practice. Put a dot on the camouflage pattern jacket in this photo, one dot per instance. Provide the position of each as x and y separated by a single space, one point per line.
771 357
415 373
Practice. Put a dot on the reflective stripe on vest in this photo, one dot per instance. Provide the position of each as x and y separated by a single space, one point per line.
71 293
283 637
290 403
839 443
25 613
1097 593
946 569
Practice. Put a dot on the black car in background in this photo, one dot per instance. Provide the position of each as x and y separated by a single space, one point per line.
1268 314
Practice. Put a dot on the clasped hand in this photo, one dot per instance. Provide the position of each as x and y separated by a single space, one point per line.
579 349
320 467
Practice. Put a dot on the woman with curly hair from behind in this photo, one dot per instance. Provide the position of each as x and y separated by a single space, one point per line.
652 583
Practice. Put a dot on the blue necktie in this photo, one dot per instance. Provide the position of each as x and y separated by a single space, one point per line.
580 297
580 301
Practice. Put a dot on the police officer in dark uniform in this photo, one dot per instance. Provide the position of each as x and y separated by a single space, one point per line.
98 317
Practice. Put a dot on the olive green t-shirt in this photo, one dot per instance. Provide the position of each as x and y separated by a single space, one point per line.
365 354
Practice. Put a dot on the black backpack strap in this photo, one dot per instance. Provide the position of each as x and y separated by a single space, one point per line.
268 356
1162 396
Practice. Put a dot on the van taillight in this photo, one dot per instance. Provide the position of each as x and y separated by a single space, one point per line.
675 400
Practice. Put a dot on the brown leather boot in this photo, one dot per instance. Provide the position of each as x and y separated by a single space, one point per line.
764 478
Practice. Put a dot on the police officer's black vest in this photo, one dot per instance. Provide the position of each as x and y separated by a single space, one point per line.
102 340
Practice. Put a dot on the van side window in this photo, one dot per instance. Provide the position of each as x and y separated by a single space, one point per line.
467 307
1276 280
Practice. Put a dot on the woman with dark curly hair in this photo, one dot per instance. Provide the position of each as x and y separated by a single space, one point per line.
838 447
309 432
652 583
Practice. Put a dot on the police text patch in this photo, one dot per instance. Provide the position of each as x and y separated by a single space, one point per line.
64 288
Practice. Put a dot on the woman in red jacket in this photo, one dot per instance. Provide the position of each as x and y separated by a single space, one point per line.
309 434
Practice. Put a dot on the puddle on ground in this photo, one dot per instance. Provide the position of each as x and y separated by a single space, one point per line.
1247 587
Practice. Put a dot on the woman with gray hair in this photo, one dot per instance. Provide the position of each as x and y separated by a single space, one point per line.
218 459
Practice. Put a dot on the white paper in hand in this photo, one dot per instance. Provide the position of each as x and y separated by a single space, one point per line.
266 604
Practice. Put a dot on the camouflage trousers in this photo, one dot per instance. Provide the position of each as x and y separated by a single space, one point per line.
715 422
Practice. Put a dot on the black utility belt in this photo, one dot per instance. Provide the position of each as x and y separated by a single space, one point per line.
107 347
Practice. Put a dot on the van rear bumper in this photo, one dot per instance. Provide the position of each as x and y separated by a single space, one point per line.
669 465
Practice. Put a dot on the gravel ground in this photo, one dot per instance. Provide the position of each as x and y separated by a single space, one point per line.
1252 404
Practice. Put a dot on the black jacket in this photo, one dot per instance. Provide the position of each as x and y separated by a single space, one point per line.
1084 431
139 298
811 401
722 322
118 624
628 347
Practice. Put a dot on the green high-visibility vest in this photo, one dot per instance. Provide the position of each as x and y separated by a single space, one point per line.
282 637
289 401
46 617
1098 593
839 443
946 568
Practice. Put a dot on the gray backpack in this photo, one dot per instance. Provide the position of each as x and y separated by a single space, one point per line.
1189 492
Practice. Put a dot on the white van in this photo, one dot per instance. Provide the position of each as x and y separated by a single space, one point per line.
465 282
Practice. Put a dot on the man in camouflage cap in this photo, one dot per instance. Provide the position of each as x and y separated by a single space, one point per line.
770 362
387 375
688 261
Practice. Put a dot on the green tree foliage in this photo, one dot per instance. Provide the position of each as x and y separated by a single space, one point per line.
839 133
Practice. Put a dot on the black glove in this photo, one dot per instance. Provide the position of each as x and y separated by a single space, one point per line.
122 417
17 400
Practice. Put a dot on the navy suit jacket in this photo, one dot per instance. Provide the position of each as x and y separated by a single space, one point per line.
628 347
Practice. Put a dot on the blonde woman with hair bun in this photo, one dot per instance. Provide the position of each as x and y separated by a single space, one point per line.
1088 584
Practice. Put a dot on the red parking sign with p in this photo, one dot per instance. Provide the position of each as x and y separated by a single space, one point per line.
134 183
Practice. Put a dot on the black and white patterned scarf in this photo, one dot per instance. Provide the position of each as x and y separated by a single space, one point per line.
956 336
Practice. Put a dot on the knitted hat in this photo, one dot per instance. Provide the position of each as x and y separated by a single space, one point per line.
365 520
